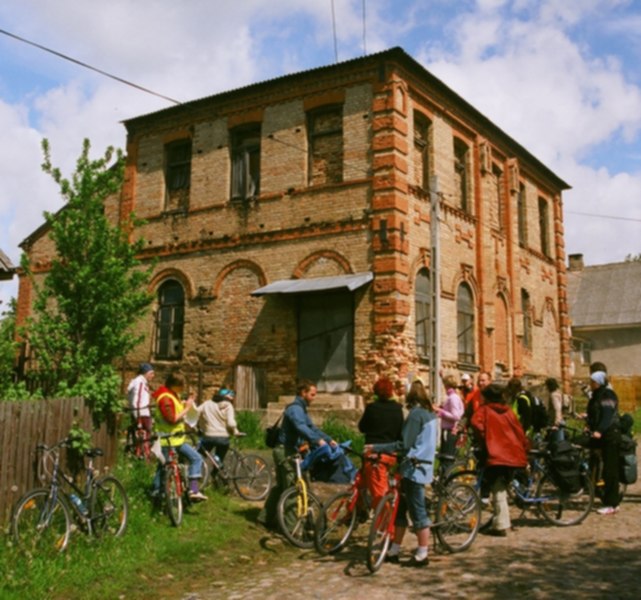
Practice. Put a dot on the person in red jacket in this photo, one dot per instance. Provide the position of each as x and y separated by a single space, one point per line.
505 445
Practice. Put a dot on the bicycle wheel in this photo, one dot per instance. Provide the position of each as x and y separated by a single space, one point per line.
458 516
296 520
564 508
41 524
335 523
471 478
173 495
109 507
252 478
380 532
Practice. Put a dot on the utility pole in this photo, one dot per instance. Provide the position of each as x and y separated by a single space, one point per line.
435 280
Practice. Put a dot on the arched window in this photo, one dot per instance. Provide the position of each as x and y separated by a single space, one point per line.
423 312
465 324
170 319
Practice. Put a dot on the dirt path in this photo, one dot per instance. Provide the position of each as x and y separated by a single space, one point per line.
600 558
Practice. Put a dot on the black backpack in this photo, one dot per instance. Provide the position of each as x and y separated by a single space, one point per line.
538 412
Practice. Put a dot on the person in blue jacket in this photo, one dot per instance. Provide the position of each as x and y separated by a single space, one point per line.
418 443
297 430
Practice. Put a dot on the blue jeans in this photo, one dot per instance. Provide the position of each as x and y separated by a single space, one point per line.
195 470
412 500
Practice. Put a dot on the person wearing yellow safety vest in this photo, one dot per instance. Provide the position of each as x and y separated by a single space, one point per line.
520 402
171 414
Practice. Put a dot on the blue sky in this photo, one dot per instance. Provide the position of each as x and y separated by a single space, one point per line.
561 77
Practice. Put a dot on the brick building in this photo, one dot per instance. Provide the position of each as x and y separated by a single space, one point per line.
338 223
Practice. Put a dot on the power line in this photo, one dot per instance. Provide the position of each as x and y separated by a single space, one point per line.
572 212
86 66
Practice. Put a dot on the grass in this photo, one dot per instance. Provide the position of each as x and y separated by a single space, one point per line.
152 559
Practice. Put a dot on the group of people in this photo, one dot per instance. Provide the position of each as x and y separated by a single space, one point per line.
498 417
167 411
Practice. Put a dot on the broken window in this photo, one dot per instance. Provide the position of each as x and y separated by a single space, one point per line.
422 151
325 128
544 226
177 174
245 163
170 319
462 175
522 216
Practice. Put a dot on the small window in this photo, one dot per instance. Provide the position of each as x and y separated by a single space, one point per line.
465 324
462 175
169 321
499 185
325 129
522 216
526 309
177 174
544 226
245 163
423 310
422 151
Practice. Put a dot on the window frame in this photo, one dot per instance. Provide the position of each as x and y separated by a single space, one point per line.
245 154
462 174
169 322
465 325
423 146
423 326
526 309
544 226
177 173
521 211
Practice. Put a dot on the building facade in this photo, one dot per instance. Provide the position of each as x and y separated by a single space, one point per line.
340 223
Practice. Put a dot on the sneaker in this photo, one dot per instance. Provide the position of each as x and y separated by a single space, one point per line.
608 510
413 562
197 496
392 558
498 532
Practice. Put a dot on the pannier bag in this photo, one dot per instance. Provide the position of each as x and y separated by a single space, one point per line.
565 466
628 460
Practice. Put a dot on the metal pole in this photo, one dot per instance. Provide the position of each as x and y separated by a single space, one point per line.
435 280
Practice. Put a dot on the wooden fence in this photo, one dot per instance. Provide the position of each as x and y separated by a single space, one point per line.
23 425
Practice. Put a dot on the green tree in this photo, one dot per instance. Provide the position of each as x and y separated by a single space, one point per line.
7 345
95 290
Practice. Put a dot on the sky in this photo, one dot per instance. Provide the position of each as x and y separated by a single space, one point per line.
561 77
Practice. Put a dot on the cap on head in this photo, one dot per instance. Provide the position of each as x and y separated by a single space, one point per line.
465 377
599 377
226 394
145 368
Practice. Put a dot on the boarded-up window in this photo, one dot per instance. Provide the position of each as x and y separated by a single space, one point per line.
544 226
177 174
522 216
245 163
325 128
526 309
170 320
462 175
422 151
422 306
465 324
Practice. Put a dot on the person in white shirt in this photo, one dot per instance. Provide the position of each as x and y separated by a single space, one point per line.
217 421
139 398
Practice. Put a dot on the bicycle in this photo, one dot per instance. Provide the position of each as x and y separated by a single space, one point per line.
174 482
138 440
249 473
453 507
340 515
536 488
298 509
42 518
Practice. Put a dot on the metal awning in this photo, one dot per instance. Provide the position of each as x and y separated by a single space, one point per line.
316 284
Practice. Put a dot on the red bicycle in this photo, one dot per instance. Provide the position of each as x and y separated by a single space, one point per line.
341 514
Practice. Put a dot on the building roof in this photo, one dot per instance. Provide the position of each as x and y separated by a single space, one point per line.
6 267
605 296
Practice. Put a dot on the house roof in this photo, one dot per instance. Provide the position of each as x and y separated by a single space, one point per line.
604 296
6 267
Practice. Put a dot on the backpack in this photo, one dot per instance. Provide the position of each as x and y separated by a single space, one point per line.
539 413
272 433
